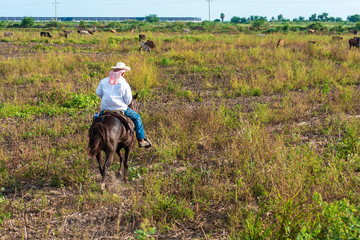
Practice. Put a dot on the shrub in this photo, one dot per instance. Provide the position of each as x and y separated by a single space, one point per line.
27 22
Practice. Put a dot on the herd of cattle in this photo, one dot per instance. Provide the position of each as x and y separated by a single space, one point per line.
65 33
149 45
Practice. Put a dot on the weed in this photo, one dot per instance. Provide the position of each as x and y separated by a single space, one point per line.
4 214
146 231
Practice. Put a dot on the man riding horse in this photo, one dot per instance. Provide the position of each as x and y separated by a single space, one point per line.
116 95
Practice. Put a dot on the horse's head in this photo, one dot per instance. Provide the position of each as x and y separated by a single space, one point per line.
134 104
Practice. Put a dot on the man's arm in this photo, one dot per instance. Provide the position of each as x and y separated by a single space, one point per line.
99 90
127 94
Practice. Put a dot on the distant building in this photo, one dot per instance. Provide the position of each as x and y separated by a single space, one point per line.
101 19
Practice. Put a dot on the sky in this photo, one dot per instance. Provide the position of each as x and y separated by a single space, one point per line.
179 8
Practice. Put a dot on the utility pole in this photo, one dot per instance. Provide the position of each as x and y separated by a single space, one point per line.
209 8
56 10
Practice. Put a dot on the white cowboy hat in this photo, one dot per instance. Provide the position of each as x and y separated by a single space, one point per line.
121 65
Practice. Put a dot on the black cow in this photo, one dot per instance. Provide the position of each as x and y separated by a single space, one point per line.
354 42
45 34
141 37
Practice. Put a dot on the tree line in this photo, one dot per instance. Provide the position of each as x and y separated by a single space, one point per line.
324 17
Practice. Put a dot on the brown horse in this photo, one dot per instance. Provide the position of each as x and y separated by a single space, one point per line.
110 134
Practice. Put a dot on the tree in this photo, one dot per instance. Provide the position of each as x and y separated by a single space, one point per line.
217 20
237 20
152 18
222 16
256 18
82 24
27 22
354 18
323 17
316 26
53 24
280 18
313 18
338 19
259 23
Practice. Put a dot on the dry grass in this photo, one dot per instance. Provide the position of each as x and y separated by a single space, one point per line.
250 141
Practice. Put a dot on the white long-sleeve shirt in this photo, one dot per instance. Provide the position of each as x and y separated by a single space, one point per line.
114 97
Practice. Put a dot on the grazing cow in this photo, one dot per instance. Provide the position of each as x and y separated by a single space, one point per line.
280 43
113 30
355 32
198 28
354 42
311 42
83 32
312 31
45 34
91 31
64 34
186 30
8 34
142 37
147 46
337 38
68 31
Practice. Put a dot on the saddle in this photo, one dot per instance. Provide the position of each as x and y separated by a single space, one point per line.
127 122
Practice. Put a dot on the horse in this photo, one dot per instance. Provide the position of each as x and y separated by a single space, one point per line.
110 134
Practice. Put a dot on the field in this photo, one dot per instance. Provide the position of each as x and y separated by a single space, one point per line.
250 141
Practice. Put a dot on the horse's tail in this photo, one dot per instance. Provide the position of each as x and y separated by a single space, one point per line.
97 136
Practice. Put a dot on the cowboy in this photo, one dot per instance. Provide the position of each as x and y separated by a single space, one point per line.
115 94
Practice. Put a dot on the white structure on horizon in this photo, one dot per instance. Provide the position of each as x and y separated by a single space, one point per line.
101 19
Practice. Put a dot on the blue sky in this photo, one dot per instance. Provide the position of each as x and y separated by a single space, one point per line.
179 8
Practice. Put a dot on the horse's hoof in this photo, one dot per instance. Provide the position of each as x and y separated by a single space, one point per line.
102 187
117 175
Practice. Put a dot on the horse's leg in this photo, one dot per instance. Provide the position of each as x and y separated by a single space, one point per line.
109 161
99 158
118 151
127 156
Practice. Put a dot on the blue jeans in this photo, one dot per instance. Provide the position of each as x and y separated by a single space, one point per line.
135 117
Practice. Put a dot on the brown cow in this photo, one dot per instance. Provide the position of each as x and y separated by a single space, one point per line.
91 31
337 38
312 31
63 34
68 31
113 30
147 46
280 43
354 42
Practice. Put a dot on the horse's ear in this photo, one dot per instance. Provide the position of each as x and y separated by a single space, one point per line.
136 96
